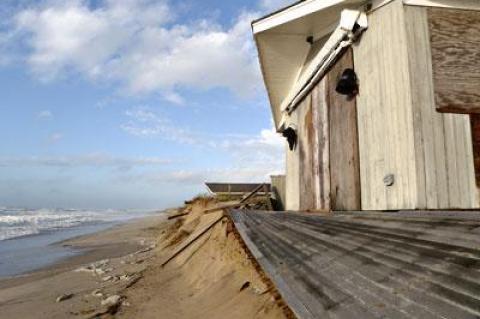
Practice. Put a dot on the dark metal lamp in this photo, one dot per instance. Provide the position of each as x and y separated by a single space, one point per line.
348 83
291 135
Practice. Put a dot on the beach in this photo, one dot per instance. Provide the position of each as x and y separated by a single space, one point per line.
120 274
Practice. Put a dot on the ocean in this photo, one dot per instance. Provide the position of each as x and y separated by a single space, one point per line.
27 237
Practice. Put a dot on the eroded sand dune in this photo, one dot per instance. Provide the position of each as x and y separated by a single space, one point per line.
122 275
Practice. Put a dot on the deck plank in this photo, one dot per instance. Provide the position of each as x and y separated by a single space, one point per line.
369 265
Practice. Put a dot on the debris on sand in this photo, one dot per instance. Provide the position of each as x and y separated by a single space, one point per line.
112 301
96 268
64 297
97 293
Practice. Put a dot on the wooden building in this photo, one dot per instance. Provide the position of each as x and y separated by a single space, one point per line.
399 134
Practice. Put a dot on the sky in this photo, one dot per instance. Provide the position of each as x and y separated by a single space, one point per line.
130 103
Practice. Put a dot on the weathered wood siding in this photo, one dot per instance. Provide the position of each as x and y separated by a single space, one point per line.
400 133
306 147
292 178
322 154
313 149
308 171
385 118
344 163
326 157
455 38
443 144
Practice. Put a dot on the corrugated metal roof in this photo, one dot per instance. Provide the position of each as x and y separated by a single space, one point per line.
234 187
369 265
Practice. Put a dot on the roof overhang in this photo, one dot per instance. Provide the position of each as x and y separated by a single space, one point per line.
281 40
283 48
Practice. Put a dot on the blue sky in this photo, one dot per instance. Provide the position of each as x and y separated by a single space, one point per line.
130 104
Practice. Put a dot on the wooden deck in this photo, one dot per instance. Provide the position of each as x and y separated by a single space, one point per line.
369 265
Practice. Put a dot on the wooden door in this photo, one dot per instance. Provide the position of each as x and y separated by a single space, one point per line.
343 135
327 149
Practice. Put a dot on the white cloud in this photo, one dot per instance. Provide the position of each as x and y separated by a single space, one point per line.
251 156
93 160
45 114
139 45
66 35
145 123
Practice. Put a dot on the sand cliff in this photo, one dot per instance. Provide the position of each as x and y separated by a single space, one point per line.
122 275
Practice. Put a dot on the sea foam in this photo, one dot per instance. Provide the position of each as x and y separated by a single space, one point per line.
15 222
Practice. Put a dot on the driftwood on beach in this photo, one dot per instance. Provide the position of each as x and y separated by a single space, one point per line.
182 247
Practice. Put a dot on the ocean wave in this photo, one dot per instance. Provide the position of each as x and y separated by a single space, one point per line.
21 222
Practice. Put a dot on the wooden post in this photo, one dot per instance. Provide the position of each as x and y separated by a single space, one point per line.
267 197
259 187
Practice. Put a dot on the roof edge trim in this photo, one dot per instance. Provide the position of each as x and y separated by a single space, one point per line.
449 4
291 13
303 8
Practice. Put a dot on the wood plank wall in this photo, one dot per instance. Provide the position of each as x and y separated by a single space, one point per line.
308 171
385 117
292 178
400 133
327 153
443 144
313 148
306 149
455 38
429 154
322 169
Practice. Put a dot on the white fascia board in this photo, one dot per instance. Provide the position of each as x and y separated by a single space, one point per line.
293 13
306 8
451 4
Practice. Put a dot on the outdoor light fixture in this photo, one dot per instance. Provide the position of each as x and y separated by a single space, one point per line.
348 83
291 135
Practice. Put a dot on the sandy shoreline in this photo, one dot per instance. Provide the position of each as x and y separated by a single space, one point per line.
87 248
120 275
112 243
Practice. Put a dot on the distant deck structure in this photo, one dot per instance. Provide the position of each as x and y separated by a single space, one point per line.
235 189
